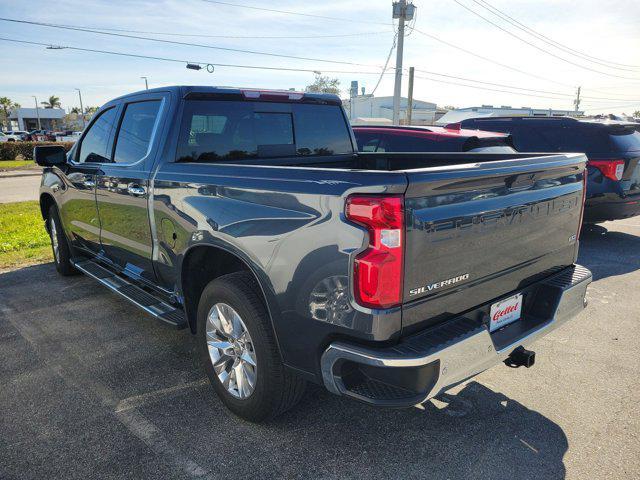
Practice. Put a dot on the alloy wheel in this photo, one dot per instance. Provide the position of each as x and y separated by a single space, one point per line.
231 350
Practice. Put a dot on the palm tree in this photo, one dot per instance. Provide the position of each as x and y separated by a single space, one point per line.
6 104
76 110
53 102
90 110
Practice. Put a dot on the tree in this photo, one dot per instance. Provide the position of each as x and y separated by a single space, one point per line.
53 102
636 114
90 110
449 107
6 104
76 110
324 84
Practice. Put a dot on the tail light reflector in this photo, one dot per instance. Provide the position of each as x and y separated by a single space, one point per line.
378 269
612 169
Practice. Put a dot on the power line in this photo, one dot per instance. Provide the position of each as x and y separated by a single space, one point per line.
288 12
540 48
616 106
188 44
486 59
544 38
412 29
166 59
515 88
488 89
237 37
393 46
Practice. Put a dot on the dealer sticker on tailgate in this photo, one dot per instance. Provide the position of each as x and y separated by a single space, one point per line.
505 312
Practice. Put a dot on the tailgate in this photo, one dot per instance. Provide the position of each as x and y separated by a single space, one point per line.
477 232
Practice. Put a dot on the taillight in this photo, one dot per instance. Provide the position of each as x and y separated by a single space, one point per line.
612 169
377 275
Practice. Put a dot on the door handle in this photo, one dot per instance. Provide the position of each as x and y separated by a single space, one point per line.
89 183
136 190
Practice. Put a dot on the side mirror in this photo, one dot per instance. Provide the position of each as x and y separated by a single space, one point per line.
49 155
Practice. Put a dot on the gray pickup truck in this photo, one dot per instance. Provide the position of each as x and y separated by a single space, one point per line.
249 218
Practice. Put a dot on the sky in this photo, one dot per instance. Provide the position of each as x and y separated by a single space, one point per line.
360 36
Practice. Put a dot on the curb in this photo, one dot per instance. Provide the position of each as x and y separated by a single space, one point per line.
19 174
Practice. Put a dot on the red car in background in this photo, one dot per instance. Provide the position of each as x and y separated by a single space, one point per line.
430 139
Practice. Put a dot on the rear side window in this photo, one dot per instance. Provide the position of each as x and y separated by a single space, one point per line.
134 134
230 130
95 142
321 130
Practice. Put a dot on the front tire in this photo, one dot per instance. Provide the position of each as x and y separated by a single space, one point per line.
59 244
238 350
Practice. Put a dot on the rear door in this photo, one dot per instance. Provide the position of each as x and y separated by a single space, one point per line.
481 231
123 187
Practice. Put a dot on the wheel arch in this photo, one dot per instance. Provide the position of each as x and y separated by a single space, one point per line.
46 201
205 262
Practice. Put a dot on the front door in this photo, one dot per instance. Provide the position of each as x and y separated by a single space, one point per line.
78 210
123 190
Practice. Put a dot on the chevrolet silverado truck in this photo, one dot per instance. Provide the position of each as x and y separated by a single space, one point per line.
249 218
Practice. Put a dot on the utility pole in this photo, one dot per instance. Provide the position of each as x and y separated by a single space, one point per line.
576 102
37 112
146 84
402 11
410 96
81 107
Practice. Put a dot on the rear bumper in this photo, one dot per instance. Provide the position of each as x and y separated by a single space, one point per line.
611 207
423 365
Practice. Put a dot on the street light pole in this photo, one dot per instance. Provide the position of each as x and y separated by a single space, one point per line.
402 11
81 107
146 84
37 112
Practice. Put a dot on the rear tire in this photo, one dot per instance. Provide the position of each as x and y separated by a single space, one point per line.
59 244
231 300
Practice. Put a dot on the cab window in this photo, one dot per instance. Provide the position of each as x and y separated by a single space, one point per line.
94 146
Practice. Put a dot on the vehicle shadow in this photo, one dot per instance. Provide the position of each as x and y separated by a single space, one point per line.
97 364
476 433
608 253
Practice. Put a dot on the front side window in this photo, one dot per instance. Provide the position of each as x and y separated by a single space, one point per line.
96 141
134 134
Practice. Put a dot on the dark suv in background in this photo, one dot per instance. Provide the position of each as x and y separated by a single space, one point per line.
613 150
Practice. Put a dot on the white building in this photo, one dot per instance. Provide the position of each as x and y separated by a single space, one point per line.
365 107
459 114
27 118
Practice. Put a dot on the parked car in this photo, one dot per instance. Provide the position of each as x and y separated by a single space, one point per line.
613 150
429 139
3 138
15 135
40 136
249 218
68 136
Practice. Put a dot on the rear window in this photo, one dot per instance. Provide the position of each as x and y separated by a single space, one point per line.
231 130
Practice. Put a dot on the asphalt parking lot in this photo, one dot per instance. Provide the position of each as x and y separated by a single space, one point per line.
93 388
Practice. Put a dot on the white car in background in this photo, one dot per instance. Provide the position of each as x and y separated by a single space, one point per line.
14 135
